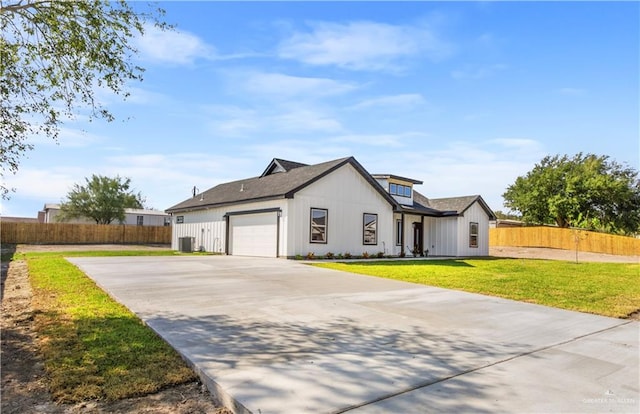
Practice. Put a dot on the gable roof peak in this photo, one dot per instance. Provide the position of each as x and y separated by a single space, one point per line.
279 165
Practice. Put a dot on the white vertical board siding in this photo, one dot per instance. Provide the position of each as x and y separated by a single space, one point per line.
208 227
441 236
475 214
347 196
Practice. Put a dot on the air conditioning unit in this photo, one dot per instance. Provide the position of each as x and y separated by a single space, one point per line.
185 244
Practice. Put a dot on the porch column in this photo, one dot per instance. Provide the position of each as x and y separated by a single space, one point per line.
402 252
422 236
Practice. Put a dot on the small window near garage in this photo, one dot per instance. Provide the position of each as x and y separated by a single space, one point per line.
370 229
140 220
398 232
473 234
318 231
179 219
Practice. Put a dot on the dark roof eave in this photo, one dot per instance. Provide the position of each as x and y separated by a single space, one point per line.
223 204
425 212
397 177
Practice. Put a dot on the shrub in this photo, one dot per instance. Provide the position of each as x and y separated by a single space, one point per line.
329 255
347 255
311 256
339 256
380 255
365 255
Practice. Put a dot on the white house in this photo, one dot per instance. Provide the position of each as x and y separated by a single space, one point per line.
336 206
133 216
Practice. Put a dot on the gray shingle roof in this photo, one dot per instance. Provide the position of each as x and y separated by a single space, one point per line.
450 205
297 176
269 187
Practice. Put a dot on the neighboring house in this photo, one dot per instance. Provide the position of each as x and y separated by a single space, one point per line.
499 223
18 219
133 216
336 206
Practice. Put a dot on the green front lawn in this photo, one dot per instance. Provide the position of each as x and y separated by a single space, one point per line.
610 289
93 347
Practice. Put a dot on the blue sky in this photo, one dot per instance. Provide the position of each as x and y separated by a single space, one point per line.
463 96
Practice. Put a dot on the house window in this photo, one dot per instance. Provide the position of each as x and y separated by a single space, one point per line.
400 190
398 232
140 220
318 231
370 229
179 219
473 234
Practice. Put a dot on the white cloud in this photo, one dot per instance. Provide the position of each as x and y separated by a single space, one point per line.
167 179
362 45
277 84
305 121
48 185
141 96
229 121
519 144
402 101
381 140
172 46
296 150
68 137
478 71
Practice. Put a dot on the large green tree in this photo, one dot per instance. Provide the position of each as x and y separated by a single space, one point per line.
587 191
54 56
102 199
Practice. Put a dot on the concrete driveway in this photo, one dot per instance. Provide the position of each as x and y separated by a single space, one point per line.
277 336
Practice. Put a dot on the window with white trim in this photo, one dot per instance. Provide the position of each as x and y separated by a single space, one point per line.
473 234
370 229
318 221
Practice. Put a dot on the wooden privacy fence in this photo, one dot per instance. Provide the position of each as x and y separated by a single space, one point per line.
65 233
558 238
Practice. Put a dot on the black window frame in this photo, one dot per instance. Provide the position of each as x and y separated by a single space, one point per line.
400 190
139 220
364 230
399 232
179 219
473 236
326 225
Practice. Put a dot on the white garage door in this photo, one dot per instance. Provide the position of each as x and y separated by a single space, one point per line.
254 235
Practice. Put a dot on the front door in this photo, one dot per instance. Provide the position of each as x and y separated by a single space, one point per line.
418 241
